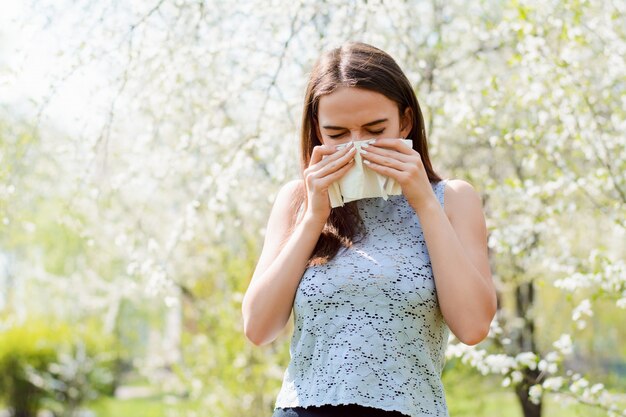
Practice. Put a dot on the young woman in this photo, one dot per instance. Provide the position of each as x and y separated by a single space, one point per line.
375 285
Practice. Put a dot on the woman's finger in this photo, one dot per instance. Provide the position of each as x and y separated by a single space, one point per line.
326 159
395 144
392 172
323 152
335 164
388 153
388 160
327 180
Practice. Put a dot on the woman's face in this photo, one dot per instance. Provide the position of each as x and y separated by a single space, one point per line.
352 113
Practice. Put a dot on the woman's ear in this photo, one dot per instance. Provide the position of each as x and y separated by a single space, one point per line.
406 122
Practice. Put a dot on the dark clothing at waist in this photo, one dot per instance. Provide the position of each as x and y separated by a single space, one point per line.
341 410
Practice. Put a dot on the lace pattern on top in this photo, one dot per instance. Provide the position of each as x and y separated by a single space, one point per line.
367 325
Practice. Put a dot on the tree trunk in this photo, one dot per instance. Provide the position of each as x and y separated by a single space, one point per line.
529 408
525 299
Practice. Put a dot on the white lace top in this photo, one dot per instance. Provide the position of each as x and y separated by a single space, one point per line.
367 325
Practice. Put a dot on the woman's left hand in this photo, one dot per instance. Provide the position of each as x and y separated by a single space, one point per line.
394 159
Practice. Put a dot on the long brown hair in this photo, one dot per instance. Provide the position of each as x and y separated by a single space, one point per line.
354 64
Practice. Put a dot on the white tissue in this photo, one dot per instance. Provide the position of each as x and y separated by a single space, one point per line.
361 181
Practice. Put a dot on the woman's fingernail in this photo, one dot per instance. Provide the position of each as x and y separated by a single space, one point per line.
363 151
365 161
364 145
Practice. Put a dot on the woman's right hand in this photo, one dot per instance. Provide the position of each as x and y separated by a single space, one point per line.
326 166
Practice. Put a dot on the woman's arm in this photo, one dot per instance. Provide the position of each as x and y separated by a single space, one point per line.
268 300
456 239
459 257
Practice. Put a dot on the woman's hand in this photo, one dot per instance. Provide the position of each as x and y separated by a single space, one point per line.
327 165
394 159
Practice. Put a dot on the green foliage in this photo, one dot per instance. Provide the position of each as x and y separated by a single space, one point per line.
470 394
53 365
25 350
221 368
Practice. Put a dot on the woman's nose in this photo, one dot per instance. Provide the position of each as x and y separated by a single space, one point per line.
355 136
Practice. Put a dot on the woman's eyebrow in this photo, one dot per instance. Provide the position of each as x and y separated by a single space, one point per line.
375 122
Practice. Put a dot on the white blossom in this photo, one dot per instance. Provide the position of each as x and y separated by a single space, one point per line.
553 383
535 392
564 344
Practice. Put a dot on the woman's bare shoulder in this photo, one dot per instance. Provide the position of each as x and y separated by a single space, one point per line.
460 194
287 197
292 186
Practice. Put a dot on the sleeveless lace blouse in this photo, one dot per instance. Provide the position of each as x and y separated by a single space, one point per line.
367 325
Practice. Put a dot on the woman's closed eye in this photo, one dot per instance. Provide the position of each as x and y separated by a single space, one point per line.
377 132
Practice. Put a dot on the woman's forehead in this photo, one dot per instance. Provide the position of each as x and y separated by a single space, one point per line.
354 105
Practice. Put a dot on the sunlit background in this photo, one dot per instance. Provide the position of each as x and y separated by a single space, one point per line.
142 145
